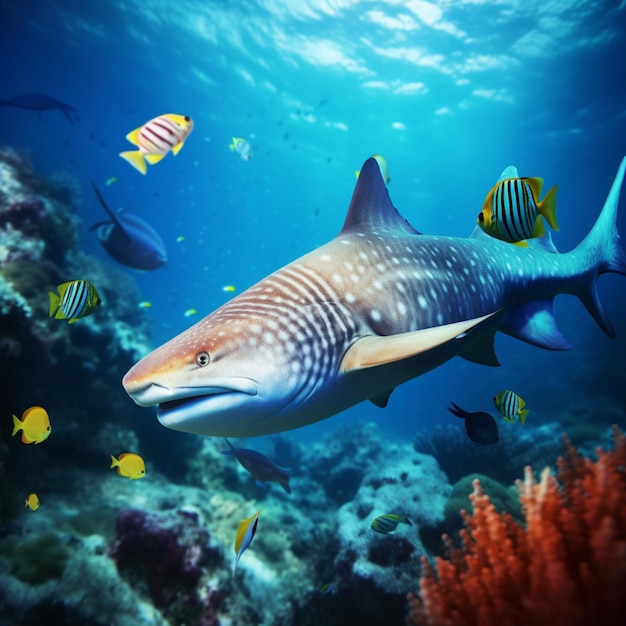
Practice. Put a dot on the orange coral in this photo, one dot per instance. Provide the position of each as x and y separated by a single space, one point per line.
566 567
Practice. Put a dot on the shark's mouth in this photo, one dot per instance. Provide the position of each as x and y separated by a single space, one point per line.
182 407
192 405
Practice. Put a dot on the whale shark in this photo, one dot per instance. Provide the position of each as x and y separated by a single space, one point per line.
375 307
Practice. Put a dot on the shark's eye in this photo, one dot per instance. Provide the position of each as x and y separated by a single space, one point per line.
481 217
202 359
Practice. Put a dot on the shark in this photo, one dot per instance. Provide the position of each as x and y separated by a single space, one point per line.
378 305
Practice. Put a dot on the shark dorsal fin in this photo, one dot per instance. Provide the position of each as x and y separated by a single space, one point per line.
508 172
370 208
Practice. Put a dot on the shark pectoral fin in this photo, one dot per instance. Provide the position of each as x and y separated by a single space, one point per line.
372 351
534 323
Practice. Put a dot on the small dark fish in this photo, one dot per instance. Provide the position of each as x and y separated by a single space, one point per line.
322 102
259 466
41 102
329 588
129 240
481 427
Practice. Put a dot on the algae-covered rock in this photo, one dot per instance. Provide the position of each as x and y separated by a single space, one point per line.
35 560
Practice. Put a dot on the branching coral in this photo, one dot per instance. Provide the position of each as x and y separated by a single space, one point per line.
566 567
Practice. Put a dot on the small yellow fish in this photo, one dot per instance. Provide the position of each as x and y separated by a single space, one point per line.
32 502
145 304
129 465
156 138
75 299
245 534
110 181
35 425
242 148
180 238
228 288
190 312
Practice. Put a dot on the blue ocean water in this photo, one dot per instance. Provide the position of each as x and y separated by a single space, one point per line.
449 92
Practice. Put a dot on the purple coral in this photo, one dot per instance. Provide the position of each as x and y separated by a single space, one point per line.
168 551
24 215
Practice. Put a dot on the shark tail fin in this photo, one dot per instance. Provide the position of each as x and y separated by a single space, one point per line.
602 247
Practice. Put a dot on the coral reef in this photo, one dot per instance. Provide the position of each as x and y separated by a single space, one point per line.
169 551
412 485
505 460
567 566
502 497
340 460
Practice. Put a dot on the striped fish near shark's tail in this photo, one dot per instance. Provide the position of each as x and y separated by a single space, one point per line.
375 307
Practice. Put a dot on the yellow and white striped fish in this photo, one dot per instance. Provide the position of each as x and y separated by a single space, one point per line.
156 138
75 299
511 211
511 407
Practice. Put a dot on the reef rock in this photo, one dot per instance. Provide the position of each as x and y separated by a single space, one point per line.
410 484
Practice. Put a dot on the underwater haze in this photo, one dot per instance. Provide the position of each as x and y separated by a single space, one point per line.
450 93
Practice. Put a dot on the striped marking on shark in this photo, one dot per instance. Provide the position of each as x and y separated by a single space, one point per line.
375 307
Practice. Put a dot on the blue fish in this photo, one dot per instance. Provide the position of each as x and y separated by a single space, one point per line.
375 307
262 468
129 240
480 426
41 102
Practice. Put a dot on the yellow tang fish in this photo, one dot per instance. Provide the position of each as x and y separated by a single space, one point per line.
35 425
245 534
76 299
32 502
156 138
229 288
129 465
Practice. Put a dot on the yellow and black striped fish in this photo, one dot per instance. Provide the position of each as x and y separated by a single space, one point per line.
511 407
76 299
512 211
388 522
156 138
